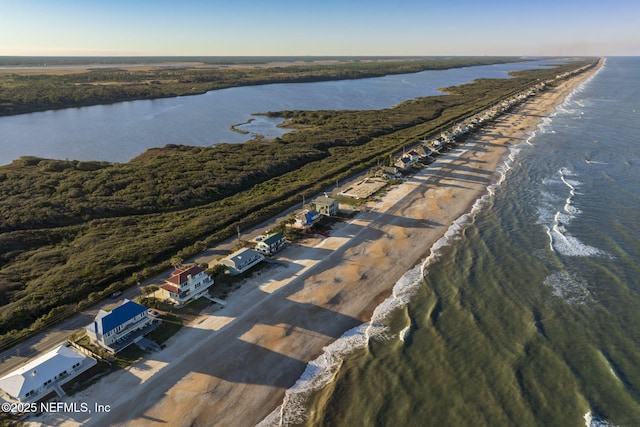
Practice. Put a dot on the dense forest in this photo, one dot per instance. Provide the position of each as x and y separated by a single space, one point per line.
36 92
73 232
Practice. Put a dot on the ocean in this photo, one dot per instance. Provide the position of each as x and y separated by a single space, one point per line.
527 313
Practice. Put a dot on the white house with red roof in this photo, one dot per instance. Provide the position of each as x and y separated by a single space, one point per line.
185 284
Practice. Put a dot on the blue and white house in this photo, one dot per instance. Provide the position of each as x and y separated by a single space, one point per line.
110 328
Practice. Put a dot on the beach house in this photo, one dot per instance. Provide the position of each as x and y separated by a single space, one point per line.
424 152
242 260
306 218
114 330
403 163
45 374
185 284
325 205
271 244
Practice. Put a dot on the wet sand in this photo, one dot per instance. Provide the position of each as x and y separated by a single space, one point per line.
232 366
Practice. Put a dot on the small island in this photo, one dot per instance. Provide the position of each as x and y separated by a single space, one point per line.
234 128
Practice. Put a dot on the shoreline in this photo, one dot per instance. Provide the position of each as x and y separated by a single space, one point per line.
321 371
261 342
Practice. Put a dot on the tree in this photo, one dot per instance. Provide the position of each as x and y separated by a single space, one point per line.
176 262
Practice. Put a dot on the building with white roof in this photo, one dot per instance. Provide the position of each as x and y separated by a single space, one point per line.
42 375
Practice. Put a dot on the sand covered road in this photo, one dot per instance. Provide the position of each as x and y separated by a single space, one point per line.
233 366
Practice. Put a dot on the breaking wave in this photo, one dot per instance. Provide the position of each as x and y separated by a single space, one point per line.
323 369
591 420
557 217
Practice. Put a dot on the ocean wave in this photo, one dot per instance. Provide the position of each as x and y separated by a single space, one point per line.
570 106
564 243
557 219
323 369
591 420
570 288
546 126
596 162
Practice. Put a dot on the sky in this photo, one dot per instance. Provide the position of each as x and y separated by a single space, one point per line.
318 27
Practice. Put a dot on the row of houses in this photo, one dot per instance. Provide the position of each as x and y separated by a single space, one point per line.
427 149
462 129
129 322
244 259
112 331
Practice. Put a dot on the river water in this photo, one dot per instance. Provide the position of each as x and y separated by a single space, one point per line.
529 311
121 131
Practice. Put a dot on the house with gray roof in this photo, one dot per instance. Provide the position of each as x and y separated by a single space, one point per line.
242 260
325 205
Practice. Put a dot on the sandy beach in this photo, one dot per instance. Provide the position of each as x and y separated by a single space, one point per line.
231 367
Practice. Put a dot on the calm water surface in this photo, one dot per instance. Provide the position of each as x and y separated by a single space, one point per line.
121 131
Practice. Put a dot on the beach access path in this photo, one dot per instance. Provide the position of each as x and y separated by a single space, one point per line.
232 366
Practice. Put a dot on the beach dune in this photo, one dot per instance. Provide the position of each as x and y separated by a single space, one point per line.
233 366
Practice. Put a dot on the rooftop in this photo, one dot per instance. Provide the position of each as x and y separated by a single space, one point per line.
324 201
34 374
273 238
181 275
119 315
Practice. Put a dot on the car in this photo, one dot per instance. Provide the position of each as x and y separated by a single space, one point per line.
116 294
154 313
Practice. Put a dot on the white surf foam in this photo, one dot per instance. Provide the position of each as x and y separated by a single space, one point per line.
404 333
556 220
570 288
596 162
323 369
594 421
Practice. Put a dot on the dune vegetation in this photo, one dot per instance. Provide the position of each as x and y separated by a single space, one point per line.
73 232
53 88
